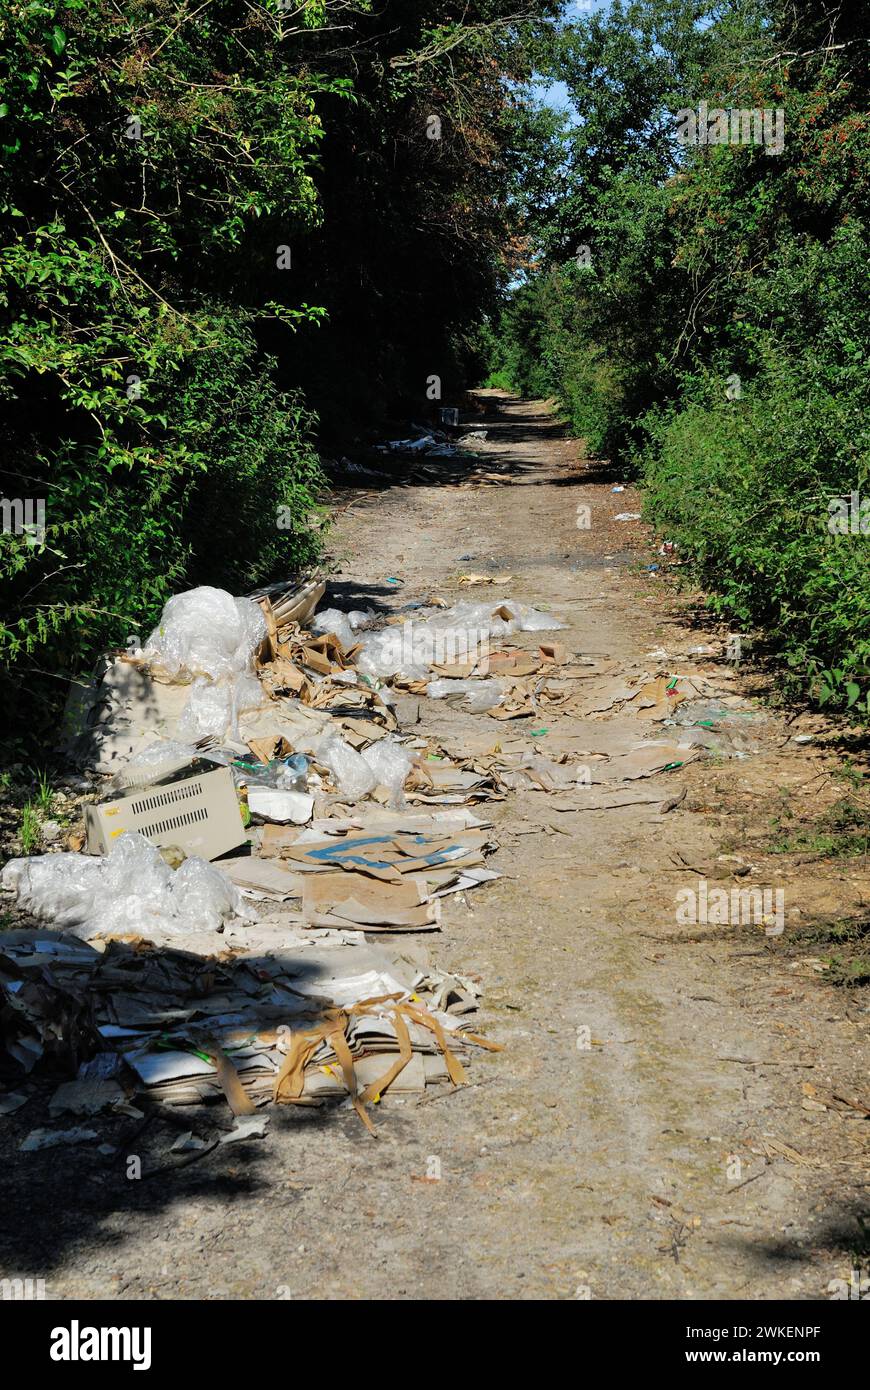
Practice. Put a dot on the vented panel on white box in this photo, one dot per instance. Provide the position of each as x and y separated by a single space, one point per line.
199 813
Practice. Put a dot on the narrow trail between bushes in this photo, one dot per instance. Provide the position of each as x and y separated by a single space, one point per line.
645 1133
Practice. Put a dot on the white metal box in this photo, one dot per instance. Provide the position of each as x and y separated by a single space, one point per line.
194 806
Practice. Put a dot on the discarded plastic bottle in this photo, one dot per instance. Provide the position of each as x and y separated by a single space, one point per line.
293 776
285 774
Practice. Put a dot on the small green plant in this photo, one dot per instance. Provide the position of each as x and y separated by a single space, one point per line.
44 793
841 831
846 971
844 946
848 772
499 381
29 833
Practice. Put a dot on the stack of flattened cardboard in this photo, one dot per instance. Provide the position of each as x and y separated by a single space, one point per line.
301 1025
379 881
320 1051
443 782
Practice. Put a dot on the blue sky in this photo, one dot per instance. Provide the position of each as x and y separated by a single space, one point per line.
556 93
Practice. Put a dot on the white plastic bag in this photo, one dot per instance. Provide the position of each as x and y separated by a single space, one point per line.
532 619
275 804
208 637
361 617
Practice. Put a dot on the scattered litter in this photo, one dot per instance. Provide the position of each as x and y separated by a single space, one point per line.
246 1127
265 736
86 1097
12 1101
39 1139
188 1143
427 444
473 579
476 695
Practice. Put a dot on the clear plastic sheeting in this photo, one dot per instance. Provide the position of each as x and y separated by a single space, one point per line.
383 764
207 637
460 634
131 892
477 695
333 621
720 728
352 775
390 764
206 632
156 759
496 618
213 710
388 653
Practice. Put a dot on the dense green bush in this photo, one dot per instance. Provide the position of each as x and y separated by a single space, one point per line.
135 402
745 485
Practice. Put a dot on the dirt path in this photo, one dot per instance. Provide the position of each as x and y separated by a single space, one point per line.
646 1165
646 1132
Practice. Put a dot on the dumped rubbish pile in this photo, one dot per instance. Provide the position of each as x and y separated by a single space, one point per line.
428 454
321 1018
260 818
429 443
267 847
